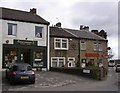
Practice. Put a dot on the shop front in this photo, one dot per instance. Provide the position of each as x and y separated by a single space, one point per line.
25 51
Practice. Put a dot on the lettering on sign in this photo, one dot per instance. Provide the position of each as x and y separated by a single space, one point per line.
25 42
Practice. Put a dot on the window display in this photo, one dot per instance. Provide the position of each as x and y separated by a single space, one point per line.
10 57
38 58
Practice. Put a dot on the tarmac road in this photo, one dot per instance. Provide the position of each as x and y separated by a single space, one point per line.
53 81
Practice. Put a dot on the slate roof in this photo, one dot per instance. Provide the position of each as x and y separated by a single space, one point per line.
18 15
65 32
60 32
85 34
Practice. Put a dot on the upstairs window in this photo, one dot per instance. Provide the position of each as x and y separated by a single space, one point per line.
83 45
61 43
100 47
95 46
38 32
12 29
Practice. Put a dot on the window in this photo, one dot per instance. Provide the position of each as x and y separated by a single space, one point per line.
57 61
100 47
38 32
12 29
71 62
38 56
61 43
83 45
95 46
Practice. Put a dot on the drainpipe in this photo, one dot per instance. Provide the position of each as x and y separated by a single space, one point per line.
79 51
48 48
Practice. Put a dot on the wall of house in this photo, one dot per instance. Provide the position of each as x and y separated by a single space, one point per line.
24 30
89 49
73 50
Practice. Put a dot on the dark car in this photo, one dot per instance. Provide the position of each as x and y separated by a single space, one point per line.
118 68
20 73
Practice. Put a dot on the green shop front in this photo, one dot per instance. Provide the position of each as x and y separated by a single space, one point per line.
25 51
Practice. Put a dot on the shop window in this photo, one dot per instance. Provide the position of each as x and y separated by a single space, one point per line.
12 29
38 32
10 57
57 61
38 58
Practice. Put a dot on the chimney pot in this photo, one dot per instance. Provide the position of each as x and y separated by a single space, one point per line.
33 10
58 24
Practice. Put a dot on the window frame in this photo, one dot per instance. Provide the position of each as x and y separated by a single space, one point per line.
12 26
61 43
83 45
40 33
58 60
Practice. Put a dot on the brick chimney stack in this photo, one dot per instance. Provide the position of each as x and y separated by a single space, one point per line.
84 28
33 11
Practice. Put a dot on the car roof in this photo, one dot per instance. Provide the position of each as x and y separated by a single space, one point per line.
21 64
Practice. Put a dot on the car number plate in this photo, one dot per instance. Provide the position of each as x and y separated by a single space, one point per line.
24 77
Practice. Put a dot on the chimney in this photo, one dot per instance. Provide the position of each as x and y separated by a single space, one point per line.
58 24
103 34
81 27
33 10
84 28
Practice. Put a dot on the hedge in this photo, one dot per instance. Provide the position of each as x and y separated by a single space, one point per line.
95 72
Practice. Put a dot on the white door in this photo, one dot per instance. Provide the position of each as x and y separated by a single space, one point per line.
71 62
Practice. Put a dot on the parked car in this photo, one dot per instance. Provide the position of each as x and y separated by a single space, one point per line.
20 73
118 68
111 63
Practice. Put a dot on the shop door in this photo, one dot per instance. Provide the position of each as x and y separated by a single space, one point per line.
25 55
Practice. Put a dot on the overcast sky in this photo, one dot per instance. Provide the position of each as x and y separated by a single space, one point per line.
97 14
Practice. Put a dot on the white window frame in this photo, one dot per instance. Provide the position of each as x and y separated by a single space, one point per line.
95 46
58 60
100 46
61 43
82 45
73 60
14 29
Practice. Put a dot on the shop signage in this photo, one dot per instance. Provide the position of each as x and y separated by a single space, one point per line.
92 55
25 42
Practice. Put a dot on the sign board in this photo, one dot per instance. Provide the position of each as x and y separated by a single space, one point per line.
25 42
86 71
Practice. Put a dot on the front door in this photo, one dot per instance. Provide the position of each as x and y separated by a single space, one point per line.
25 55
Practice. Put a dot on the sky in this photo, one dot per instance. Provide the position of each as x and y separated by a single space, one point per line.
97 14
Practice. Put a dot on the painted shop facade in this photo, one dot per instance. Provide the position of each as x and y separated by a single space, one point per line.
25 38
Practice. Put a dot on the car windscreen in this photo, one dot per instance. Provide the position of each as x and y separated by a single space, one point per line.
22 68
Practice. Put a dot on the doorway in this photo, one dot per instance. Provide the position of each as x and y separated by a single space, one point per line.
25 55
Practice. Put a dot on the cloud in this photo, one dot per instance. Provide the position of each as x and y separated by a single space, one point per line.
96 14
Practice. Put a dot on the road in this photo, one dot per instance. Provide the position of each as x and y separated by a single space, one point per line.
53 81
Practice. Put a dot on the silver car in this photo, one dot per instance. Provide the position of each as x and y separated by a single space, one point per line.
118 68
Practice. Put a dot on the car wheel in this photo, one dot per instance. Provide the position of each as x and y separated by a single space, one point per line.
6 74
33 82
11 81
